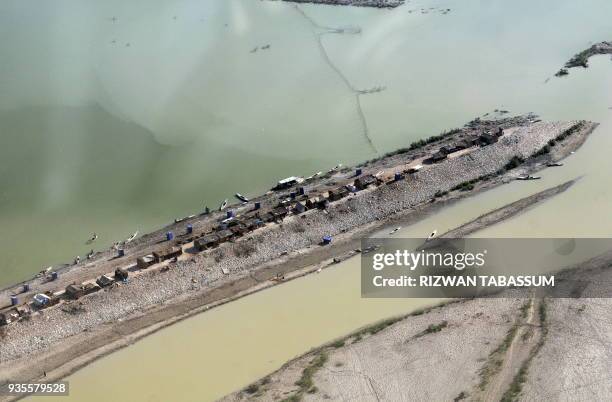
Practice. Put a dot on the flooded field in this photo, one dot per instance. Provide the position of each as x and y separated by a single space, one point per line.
116 117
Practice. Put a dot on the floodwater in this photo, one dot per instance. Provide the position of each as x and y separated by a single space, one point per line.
117 116
204 358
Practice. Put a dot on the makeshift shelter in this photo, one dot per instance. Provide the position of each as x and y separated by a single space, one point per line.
121 274
167 253
145 261
206 242
104 281
364 181
338 193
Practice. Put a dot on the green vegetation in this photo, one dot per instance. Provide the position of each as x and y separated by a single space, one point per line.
525 308
373 329
551 143
517 383
514 162
467 185
580 60
434 138
251 389
572 130
416 145
305 382
256 388
495 359
543 151
433 328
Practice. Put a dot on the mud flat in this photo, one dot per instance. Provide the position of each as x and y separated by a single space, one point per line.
512 348
60 339
582 59
356 3
517 346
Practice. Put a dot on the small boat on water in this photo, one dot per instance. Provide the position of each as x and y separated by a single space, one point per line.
335 168
314 175
528 177
432 235
93 238
554 164
177 220
264 47
395 230
223 205
369 249
132 237
241 197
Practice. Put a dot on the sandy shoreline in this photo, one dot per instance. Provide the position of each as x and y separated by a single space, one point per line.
509 347
78 349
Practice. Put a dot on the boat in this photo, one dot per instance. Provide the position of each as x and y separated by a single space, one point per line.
335 168
228 220
241 197
223 205
314 175
395 230
432 235
132 237
554 164
288 182
264 47
528 177
94 237
177 220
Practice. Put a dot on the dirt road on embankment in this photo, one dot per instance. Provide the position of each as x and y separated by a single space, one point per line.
60 339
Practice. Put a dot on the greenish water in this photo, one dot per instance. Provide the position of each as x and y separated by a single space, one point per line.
101 136
116 116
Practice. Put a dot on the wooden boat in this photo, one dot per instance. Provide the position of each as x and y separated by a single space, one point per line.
528 177
241 197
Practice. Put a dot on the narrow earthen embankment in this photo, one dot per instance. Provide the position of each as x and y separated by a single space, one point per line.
582 59
355 3
59 340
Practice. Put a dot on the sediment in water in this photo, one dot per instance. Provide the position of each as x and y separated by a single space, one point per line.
163 294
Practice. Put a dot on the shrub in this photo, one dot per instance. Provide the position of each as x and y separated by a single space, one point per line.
514 162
